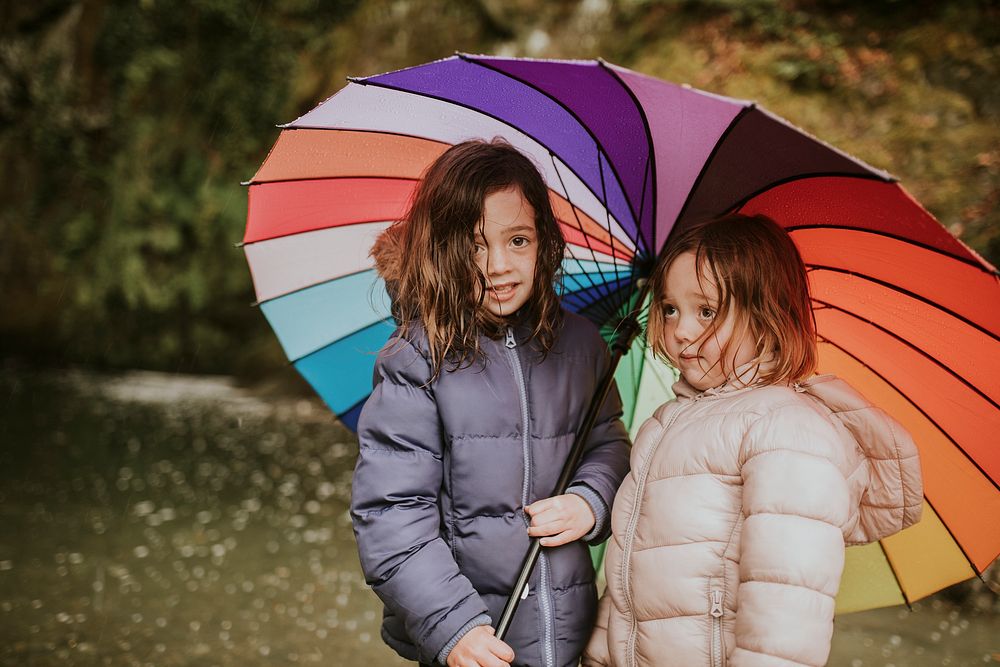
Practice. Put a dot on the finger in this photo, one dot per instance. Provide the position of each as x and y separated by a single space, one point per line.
548 516
558 540
487 656
536 507
544 504
502 650
544 530
553 511
490 660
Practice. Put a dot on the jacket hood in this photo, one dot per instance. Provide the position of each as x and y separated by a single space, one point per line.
387 251
892 496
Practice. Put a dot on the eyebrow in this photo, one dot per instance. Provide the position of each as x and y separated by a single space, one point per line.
512 230
521 228
697 295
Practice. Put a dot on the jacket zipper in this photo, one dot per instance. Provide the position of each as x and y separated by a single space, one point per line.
630 537
716 613
544 603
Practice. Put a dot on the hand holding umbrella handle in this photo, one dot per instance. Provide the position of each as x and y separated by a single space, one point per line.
627 331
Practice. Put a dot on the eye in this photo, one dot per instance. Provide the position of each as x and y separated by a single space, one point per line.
479 249
520 241
669 310
706 313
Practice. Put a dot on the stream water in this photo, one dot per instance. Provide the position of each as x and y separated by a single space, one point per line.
151 519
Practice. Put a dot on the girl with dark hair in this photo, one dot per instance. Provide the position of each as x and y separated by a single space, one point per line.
477 398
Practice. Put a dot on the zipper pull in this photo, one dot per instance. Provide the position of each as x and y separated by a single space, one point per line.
510 342
716 610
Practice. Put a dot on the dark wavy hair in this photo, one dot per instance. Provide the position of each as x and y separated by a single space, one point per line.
427 258
761 279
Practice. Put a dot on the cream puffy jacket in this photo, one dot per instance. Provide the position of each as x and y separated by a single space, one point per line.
729 532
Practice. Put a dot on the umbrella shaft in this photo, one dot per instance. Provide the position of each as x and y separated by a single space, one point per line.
528 564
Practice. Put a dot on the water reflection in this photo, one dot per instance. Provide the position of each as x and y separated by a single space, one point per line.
157 520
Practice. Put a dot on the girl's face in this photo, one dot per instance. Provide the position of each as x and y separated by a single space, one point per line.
694 339
506 250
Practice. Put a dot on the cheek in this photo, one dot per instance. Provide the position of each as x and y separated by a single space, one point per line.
712 347
528 266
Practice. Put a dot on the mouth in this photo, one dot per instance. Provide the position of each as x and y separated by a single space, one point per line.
503 291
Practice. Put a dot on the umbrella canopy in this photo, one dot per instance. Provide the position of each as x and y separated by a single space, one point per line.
905 312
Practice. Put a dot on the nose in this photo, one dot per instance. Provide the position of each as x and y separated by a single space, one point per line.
687 330
499 262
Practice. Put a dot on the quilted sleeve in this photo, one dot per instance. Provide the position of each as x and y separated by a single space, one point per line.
394 505
795 502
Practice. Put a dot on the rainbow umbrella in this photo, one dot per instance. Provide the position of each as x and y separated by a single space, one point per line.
905 312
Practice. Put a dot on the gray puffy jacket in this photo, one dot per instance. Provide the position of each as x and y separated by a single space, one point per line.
444 471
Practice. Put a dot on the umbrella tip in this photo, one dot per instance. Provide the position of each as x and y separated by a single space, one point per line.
239 244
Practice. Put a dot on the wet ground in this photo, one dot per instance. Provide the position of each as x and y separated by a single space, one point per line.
149 519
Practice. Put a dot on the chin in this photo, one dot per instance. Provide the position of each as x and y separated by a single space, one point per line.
507 310
700 382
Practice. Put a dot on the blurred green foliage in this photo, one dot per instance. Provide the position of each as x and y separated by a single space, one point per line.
126 127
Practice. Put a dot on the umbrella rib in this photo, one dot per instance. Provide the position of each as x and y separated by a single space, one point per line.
606 293
638 387
642 206
322 347
955 539
650 159
244 244
602 308
586 128
917 408
902 239
912 347
607 213
325 281
606 309
895 575
642 367
708 163
740 203
373 177
906 292
394 133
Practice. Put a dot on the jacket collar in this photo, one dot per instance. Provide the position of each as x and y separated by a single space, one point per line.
743 377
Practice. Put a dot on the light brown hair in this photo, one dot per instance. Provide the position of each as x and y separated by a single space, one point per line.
761 279
427 258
